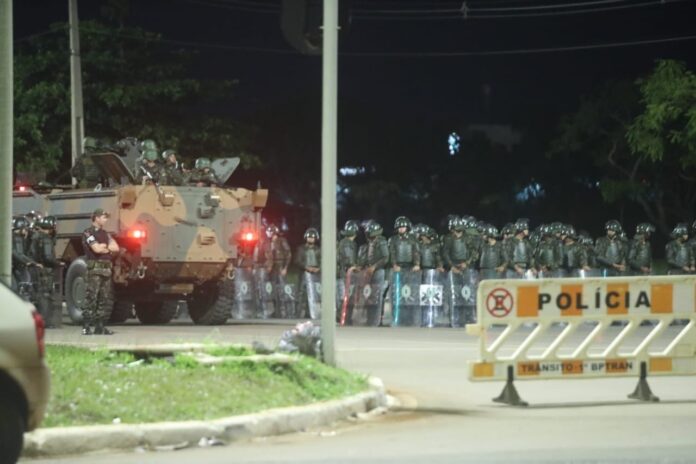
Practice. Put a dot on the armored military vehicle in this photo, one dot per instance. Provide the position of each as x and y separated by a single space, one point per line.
178 242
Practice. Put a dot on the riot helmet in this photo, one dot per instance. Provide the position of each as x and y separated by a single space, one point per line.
508 229
271 230
451 221
202 163
167 153
459 225
19 222
521 225
350 229
492 232
645 228
48 222
311 233
613 225
402 221
374 230
680 230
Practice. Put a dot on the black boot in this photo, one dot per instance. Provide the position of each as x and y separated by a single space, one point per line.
101 330
86 330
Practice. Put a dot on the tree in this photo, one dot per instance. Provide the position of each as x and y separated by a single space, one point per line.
637 141
133 86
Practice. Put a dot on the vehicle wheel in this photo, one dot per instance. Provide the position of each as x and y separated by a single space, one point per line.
123 310
156 312
12 426
75 286
212 305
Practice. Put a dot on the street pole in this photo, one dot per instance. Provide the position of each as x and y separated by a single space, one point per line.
328 180
6 140
77 124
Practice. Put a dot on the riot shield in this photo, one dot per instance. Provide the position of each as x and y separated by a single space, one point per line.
286 298
554 274
369 297
265 290
244 306
583 274
404 295
462 295
431 296
312 294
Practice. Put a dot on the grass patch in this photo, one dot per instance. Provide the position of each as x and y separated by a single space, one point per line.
98 387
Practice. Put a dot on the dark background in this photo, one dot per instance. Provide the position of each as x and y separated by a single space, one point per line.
397 104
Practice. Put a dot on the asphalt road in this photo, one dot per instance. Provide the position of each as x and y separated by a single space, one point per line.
444 418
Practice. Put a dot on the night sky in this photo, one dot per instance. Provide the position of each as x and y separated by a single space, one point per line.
384 67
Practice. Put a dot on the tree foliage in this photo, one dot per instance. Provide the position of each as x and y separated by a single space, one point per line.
133 85
637 140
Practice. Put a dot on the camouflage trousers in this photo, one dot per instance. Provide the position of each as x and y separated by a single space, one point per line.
99 296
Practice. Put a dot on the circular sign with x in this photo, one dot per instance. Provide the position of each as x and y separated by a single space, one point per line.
499 302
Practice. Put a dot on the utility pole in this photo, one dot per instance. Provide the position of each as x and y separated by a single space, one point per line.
77 124
328 180
6 140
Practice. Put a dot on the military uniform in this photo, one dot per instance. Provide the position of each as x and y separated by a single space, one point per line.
519 256
308 259
455 252
404 251
20 263
608 252
574 258
346 255
99 293
430 256
640 256
492 258
679 256
547 257
148 173
204 177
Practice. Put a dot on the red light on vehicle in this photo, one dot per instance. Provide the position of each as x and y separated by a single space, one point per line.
248 237
40 332
22 188
137 234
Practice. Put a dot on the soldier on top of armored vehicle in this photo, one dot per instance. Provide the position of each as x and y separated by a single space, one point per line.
170 174
202 175
150 170
84 170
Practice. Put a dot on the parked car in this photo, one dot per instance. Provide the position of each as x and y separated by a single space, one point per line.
24 375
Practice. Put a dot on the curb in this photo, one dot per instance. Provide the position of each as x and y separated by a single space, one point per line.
84 439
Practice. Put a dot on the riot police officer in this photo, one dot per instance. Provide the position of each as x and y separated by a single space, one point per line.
403 249
346 264
21 261
519 253
376 260
610 250
546 256
455 252
202 175
99 247
492 262
278 258
430 256
49 275
574 256
640 254
680 258
308 259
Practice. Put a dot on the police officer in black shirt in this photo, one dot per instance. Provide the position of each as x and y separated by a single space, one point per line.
99 248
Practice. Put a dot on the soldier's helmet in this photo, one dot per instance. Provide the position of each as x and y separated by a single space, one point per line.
166 153
419 230
481 226
569 231
520 225
271 230
508 229
89 144
32 218
586 240
492 231
613 225
431 233
148 144
202 163
645 228
459 225
679 230
19 222
469 221
451 220
311 232
402 221
150 155
350 228
48 222
374 229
